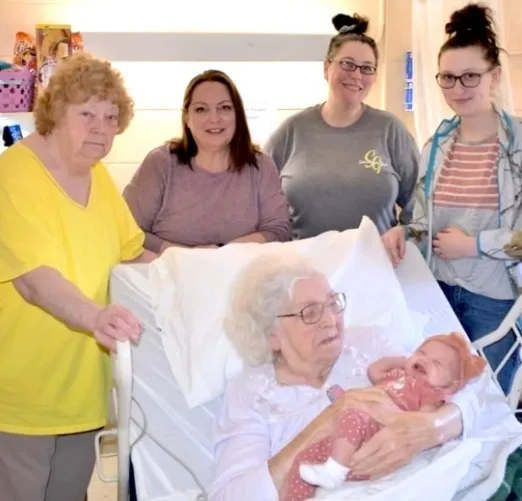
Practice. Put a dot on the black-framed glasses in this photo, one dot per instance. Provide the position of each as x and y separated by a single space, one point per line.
312 313
470 80
346 65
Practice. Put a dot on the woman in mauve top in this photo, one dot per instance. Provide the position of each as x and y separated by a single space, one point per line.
212 186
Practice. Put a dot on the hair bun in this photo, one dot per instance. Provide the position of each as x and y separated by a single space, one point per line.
344 23
473 19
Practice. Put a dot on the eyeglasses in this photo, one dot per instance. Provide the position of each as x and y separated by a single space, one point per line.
366 69
468 80
312 313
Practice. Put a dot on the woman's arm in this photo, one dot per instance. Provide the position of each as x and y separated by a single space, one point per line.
251 237
274 215
404 435
146 256
48 289
165 244
320 428
278 146
244 468
405 158
492 244
447 423
241 450
144 194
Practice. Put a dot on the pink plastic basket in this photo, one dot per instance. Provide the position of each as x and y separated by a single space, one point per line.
16 90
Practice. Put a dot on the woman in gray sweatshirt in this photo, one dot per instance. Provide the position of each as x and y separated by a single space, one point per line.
342 159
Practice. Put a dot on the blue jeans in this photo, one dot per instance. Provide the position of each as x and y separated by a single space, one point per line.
480 315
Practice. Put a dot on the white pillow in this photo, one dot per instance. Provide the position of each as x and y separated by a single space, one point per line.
374 294
192 290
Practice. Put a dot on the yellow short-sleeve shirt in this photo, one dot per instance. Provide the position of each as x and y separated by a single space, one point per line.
54 380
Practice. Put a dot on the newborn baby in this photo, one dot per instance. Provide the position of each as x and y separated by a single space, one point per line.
423 382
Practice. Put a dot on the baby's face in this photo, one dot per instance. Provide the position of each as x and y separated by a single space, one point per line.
437 362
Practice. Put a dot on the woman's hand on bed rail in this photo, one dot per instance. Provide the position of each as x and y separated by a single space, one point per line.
114 323
395 242
48 289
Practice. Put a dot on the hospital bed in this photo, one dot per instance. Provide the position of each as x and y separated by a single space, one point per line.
153 415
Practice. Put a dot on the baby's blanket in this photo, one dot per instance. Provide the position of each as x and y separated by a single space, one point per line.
433 476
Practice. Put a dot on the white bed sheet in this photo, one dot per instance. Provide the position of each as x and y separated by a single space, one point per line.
187 432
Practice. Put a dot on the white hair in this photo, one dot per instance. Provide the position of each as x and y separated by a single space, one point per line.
256 299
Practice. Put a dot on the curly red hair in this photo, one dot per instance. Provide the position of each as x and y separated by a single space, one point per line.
76 80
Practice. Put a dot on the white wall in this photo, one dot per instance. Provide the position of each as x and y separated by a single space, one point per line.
157 87
513 45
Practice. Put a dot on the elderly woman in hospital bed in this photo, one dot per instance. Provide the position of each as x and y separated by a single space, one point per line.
287 325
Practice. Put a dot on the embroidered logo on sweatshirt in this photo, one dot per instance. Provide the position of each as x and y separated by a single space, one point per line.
372 160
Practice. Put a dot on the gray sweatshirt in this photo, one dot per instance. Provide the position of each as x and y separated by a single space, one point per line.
333 176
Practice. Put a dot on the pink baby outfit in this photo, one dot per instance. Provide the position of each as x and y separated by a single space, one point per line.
408 392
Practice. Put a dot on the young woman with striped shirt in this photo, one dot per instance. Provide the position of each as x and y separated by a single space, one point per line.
470 190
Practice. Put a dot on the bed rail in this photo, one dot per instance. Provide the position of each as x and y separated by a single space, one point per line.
510 322
122 394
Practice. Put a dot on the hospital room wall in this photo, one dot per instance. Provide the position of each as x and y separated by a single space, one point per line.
284 87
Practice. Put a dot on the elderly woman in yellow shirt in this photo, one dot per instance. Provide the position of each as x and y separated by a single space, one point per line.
63 226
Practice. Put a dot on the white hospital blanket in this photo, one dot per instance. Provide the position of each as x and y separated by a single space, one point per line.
423 475
187 432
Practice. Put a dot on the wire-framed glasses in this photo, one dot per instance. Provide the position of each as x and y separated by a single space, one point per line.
312 313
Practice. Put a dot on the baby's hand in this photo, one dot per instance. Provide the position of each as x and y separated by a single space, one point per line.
395 362
381 369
